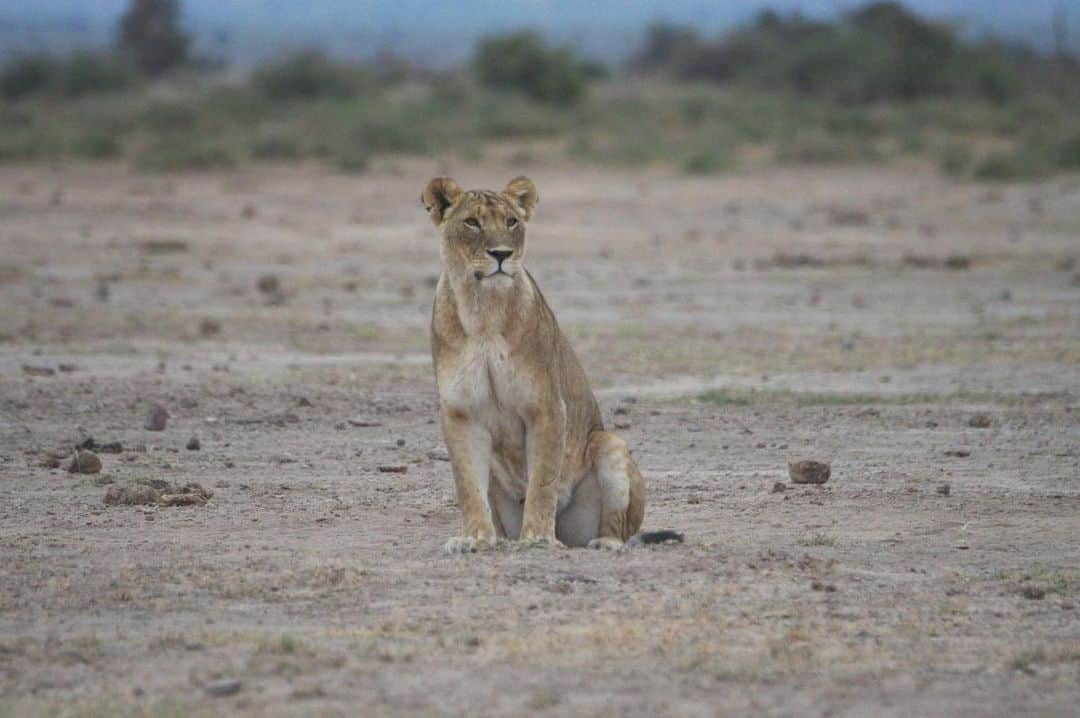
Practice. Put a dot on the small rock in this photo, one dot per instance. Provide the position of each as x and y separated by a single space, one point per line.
223 687
111 447
188 495
67 368
400 443
693 499
209 327
193 444
393 468
958 453
438 455
809 472
944 489
268 284
156 417
363 423
822 586
779 487
979 421
957 262
1034 593
133 495
30 370
622 424
85 462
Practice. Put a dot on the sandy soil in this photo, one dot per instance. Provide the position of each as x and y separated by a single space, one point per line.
922 335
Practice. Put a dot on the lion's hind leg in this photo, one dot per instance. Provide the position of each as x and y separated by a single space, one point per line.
622 491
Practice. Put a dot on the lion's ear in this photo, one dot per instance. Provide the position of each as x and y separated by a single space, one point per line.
522 192
438 196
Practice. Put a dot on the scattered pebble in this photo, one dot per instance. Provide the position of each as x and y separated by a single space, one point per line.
944 489
438 455
209 327
809 472
31 370
958 453
393 468
268 284
156 417
193 444
363 423
779 487
223 687
110 447
1034 593
979 421
157 492
84 462
133 495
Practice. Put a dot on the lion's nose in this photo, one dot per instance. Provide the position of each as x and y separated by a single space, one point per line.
500 254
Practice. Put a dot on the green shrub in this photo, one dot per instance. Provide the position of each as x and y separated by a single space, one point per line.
1021 163
956 159
1068 153
275 146
523 62
380 135
95 146
707 161
309 75
353 159
184 155
26 76
87 73
27 146
169 117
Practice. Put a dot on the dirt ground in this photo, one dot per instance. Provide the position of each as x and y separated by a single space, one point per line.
920 334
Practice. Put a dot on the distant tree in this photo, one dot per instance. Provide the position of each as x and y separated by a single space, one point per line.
523 61
665 47
150 33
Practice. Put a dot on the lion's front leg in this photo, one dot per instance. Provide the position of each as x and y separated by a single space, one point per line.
545 437
469 444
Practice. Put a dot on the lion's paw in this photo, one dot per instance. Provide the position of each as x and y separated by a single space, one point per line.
605 543
540 542
467 544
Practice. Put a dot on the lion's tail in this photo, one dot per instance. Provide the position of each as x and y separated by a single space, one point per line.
654 537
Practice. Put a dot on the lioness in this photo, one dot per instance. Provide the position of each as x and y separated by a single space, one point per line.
530 456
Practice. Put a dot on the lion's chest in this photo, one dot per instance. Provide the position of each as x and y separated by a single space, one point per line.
480 381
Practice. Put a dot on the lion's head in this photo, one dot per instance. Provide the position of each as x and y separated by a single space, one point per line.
483 232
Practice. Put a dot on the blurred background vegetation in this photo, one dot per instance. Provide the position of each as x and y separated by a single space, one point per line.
877 83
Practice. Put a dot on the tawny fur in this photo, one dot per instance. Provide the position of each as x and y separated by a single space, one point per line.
530 456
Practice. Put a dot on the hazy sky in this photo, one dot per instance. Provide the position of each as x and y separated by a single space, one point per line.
428 29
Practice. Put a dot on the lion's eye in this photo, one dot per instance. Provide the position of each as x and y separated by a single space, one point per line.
472 223
511 222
